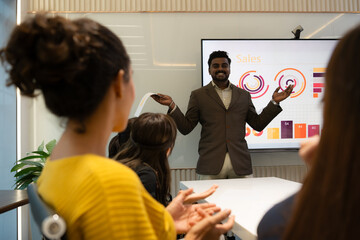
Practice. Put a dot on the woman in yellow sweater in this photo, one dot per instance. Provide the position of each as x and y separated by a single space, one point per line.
85 76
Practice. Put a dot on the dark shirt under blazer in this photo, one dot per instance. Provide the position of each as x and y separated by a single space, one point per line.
223 129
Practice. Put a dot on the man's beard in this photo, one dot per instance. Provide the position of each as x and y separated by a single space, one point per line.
220 79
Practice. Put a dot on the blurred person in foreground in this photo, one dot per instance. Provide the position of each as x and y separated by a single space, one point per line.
327 206
84 73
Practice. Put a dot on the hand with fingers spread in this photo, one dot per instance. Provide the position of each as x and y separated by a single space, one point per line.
164 100
194 197
186 215
280 96
191 215
210 227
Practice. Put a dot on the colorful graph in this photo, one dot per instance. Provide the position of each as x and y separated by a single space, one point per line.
253 83
296 130
288 130
255 133
292 76
318 81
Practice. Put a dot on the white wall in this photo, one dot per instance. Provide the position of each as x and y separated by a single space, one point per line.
165 52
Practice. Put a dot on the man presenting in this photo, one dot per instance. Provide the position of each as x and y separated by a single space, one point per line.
223 110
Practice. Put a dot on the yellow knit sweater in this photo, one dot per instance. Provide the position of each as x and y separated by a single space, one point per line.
100 198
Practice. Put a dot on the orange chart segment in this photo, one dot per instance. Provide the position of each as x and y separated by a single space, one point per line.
273 133
300 130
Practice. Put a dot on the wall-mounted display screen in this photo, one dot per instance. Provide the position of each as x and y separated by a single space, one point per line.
260 66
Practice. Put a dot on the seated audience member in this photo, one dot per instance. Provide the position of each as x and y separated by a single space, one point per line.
84 73
151 141
327 206
118 141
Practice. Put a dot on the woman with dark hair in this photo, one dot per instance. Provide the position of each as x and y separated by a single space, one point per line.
85 76
119 140
151 141
327 206
145 146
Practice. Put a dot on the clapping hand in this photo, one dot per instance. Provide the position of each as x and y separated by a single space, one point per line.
194 197
210 227
187 215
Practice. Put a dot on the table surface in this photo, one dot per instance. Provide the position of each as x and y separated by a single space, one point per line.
10 199
248 198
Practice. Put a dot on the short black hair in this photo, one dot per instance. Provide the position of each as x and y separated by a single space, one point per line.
218 54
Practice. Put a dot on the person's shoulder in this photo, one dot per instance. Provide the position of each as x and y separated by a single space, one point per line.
95 161
272 225
143 168
236 88
105 168
203 88
103 178
146 174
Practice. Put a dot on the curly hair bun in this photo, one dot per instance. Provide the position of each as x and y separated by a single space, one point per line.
72 62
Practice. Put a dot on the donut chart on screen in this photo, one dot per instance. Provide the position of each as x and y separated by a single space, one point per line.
292 76
253 83
256 133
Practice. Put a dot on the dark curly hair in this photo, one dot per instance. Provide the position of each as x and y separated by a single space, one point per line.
218 54
72 62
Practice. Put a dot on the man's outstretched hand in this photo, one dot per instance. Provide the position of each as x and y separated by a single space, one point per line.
279 96
164 100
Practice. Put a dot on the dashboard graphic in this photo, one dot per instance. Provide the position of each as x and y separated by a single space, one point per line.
259 66
291 76
253 83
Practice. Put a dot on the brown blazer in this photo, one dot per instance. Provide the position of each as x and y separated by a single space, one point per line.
223 130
